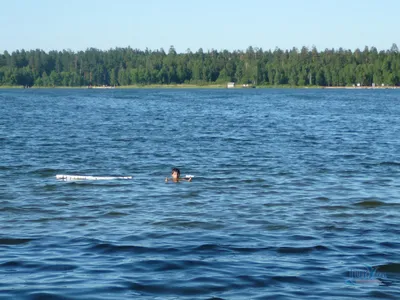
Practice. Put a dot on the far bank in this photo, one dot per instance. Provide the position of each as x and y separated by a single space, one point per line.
200 86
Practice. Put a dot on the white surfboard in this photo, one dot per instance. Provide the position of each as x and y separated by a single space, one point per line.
80 177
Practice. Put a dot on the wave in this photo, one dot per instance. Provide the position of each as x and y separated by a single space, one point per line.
293 279
113 214
300 250
188 289
322 198
390 163
107 248
12 209
390 268
189 224
57 267
207 247
334 207
372 203
94 183
20 264
46 295
162 265
5 168
392 245
381 164
14 241
217 248
44 172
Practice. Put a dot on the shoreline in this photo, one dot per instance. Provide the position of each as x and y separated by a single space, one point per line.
362 87
206 86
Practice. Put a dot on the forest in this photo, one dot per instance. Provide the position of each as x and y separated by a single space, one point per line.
128 66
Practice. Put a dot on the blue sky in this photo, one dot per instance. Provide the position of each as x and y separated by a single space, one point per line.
207 24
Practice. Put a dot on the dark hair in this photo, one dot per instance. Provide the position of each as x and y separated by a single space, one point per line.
177 171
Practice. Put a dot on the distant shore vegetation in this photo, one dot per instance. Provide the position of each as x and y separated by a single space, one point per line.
134 67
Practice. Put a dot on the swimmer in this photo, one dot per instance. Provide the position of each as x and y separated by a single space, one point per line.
176 173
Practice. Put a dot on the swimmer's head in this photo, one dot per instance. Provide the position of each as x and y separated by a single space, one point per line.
175 173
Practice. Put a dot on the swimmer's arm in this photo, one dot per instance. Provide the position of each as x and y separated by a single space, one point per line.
180 179
186 179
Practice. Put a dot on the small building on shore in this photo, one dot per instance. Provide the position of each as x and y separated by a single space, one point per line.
230 85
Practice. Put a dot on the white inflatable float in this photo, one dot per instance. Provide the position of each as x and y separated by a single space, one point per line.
79 177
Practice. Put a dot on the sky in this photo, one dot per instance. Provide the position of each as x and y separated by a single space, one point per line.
208 24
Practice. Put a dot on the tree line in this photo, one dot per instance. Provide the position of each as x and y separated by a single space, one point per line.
127 66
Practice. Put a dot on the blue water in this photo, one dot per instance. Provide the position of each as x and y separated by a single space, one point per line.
295 191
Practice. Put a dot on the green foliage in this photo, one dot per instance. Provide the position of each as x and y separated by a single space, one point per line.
125 66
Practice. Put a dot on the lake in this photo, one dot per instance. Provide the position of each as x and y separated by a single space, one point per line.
295 194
